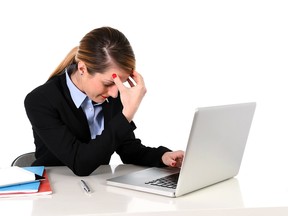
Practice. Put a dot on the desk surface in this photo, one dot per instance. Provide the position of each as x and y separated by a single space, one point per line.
236 196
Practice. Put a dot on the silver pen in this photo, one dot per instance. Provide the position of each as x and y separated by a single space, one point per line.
85 186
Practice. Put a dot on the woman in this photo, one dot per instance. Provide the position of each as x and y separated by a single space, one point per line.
84 112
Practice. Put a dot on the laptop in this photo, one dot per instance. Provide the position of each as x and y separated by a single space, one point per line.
214 152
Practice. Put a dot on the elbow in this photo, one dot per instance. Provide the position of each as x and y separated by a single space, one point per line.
84 171
81 173
85 166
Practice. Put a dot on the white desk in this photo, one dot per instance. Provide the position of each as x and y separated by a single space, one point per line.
68 198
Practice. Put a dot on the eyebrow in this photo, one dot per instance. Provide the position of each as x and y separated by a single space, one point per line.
108 82
112 81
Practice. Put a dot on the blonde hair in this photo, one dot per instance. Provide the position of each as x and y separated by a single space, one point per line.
100 49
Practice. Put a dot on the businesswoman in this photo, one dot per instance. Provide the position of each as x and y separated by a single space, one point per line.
84 112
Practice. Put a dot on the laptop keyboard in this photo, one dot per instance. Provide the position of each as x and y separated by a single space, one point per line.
169 181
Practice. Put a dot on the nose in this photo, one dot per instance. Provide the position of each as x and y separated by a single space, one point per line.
113 91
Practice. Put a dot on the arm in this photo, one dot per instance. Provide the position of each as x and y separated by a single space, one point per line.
60 132
133 152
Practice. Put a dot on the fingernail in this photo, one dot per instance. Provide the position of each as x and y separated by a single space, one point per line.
114 75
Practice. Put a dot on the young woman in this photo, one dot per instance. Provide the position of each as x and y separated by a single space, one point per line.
84 113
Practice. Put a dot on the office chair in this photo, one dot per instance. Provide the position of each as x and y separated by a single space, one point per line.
24 160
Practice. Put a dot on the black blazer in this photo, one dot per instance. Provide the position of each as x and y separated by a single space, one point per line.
62 136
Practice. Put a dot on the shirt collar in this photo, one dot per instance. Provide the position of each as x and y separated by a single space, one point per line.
77 96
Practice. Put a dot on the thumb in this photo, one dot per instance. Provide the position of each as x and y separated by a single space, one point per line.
118 82
172 163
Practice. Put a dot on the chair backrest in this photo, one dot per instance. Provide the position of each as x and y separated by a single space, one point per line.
24 160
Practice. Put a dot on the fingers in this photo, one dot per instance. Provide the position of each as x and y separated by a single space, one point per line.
173 159
130 82
130 97
177 162
137 78
118 82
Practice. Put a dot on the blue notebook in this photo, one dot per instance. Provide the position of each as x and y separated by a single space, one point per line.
27 187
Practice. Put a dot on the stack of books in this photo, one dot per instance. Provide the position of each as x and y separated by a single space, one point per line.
24 181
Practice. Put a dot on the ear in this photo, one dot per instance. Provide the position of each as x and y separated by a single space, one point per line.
82 67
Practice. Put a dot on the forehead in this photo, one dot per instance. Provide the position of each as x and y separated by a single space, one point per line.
122 74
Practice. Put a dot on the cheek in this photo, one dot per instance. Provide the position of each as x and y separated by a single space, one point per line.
101 89
94 88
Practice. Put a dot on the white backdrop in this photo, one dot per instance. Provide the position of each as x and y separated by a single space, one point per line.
191 54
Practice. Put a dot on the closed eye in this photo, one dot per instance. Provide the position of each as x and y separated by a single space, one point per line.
109 83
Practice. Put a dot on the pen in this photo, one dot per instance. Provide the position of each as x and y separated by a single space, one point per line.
85 186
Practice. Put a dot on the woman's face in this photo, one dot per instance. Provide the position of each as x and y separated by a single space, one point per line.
100 86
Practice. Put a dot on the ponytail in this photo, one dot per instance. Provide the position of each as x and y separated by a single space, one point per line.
68 60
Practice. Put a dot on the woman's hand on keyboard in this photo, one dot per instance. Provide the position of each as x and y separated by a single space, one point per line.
173 159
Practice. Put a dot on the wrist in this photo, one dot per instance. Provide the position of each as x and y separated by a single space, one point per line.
127 115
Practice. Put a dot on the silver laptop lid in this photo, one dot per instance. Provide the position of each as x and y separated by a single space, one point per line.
216 145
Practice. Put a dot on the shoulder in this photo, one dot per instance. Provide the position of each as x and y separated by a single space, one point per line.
51 90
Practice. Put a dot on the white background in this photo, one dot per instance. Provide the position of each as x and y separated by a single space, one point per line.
191 54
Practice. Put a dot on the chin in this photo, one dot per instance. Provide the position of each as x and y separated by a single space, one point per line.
101 100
